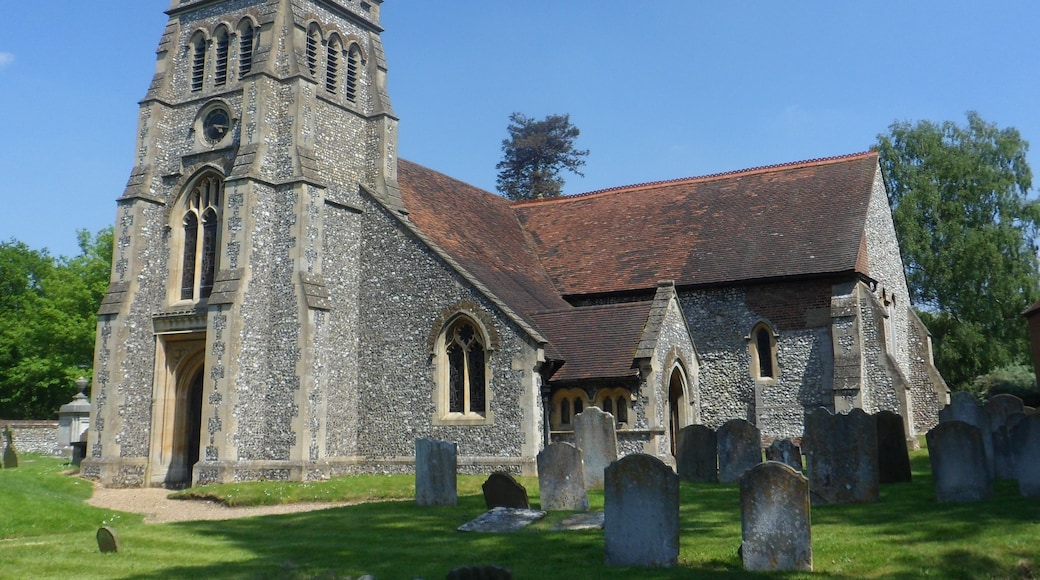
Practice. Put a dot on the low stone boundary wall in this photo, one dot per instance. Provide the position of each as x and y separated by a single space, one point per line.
35 437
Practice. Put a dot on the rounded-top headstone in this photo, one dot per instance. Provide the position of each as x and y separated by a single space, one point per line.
107 539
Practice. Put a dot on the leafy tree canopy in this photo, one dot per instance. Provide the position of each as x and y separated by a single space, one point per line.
48 312
534 155
967 231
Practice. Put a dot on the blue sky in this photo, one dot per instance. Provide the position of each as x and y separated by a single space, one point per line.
660 90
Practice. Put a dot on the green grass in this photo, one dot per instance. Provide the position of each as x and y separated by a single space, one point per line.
47 531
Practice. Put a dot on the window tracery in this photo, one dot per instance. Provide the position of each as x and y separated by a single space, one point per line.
462 367
200 221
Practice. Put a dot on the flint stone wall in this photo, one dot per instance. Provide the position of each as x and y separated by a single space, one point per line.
395 357
35 437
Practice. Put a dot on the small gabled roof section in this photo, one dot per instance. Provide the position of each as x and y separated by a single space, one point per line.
793 220
596 342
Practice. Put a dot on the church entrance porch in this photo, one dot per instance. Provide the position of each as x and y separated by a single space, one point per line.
177 409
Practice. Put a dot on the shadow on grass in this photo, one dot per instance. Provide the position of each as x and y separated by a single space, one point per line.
905 535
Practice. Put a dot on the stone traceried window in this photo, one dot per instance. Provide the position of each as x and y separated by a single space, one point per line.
247 38
462 367
200 220
762 348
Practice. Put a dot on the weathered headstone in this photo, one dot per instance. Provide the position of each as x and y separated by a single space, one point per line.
436 472
1000 408
697 454
107 540
502 520
841 457
480 572
958 459
774 518
785 451
584 521
595 435
740 449
10 453
561 478
501 489
965 408
1025 437
893 455
641 512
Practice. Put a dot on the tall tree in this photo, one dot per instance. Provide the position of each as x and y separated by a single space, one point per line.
534 155
967 230
48 312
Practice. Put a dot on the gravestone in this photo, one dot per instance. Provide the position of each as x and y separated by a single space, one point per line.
595 435
107 540
958 459
785 451
964 407
501 489
502 520
585 521
740 449
561 478
10 453
1025 437
640 512
1000 408
774 518
841 457
893 455
436 472
697 454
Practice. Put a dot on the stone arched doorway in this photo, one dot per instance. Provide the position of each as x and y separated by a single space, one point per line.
177 410
678 405
187 430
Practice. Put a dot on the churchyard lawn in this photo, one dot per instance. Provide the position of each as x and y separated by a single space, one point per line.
48 531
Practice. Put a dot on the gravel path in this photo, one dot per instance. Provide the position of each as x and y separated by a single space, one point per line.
157 508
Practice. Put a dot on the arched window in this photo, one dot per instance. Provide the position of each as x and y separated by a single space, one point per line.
615 402
464 368
353 71
564 406
198 61
220 67
313 44
201 223
246 47
762 348
335 51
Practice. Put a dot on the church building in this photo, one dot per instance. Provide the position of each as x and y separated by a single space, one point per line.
291 301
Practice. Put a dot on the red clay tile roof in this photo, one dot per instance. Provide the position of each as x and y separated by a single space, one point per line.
797 219
598 342
481 232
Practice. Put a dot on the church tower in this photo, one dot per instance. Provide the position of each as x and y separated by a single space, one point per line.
233 308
